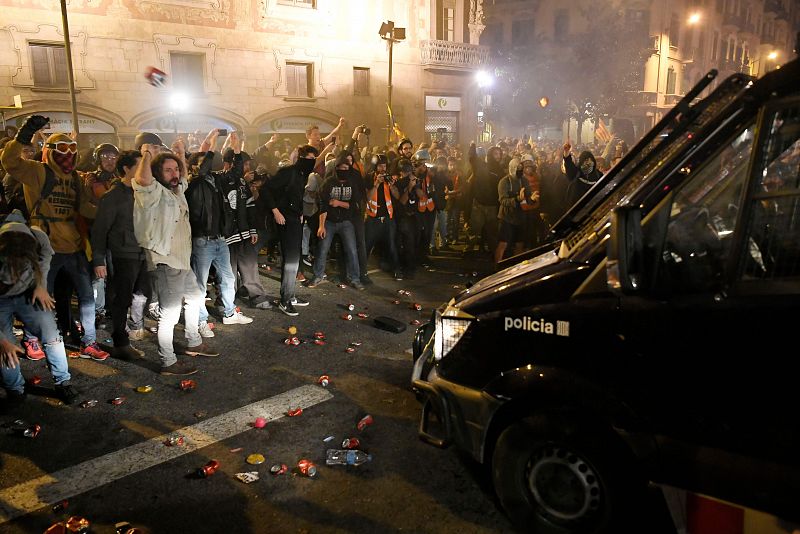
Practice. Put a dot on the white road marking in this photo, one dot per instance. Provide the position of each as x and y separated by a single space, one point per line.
51 488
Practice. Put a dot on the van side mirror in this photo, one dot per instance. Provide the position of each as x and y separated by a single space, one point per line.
624 261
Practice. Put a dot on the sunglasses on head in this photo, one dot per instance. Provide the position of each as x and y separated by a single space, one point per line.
63 147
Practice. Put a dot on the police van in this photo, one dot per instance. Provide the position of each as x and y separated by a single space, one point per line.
651 343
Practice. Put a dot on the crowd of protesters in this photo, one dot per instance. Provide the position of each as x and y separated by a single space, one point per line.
156 224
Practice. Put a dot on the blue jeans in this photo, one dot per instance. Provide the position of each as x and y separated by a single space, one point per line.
214 251
41 324
441 225
174 288
77 268
348 235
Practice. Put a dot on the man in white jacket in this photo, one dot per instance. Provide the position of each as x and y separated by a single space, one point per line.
161 225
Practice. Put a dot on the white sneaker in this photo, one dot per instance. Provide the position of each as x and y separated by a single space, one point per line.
136 335
237 318
204 330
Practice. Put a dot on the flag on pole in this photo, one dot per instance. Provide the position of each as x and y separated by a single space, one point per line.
602 132
395 127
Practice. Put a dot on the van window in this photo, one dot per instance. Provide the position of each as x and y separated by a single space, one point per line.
774 231
702 219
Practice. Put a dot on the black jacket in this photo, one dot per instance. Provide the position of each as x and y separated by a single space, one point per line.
113 227
579 183
211 211
284 191
486 176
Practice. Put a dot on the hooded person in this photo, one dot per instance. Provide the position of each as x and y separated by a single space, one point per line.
581 177
56 197
486 176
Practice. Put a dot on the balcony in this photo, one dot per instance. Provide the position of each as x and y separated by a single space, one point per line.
732 20
449 55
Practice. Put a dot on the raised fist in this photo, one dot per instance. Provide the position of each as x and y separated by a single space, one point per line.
32 124
567 148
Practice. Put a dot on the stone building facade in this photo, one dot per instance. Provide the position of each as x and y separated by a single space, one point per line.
256 66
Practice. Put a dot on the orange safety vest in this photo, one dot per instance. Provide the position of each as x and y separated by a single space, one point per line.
372 203
425 203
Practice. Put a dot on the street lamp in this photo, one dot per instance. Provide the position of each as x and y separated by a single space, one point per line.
178 103
391 35
484 78
692 20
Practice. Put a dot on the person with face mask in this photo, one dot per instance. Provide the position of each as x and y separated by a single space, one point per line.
283 196
161 225
55 196
581 177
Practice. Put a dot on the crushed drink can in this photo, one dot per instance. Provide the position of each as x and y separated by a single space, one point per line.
144 389
347 317
416 322
319 335
88 403
417 306
351 307
36 380
278 469
255 459
404 292
60 506
363 315
260 422
319 341
187 385
350 350
351 443
324 380
365 422
77 524
295 412
174 440
292 341
307 468
116 401
207 470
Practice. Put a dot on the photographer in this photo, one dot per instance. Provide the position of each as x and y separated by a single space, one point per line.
408 226
380 224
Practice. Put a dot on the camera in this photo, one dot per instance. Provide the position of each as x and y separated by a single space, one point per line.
222 132
365 130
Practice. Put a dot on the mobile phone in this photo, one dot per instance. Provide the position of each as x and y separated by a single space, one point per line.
223 132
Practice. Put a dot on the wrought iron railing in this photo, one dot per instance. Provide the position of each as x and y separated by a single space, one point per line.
450 54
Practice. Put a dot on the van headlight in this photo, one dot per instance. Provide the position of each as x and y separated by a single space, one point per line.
451 325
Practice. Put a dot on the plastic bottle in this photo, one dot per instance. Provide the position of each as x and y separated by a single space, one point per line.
347 457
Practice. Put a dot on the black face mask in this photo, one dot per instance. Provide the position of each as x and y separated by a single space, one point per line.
587 167
305 166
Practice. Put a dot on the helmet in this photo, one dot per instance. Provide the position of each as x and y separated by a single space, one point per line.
102 148
147 138
422 155
380 159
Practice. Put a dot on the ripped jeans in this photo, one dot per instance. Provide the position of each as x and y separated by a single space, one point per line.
41 324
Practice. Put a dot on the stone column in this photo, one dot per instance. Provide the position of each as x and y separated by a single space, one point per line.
476 25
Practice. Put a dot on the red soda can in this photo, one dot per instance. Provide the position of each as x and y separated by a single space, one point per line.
278 469
295 412
324 380
188 385
36 380
351 307
319 341
207 470
295 341
365 422
116 401
347 317
60 506
307 468
77 524
351 443
319 335
417 306
363 315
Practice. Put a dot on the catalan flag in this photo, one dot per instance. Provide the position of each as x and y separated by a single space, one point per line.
395 127
602 132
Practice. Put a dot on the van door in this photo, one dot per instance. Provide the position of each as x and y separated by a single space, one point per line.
725 415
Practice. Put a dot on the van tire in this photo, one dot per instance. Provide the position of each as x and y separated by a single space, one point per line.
590 477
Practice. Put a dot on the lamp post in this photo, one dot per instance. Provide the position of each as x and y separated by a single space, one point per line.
70 73
391 35
178 102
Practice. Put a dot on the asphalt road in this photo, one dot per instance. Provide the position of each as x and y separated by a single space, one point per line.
108 457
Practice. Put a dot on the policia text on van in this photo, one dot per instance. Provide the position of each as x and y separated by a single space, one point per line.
653 340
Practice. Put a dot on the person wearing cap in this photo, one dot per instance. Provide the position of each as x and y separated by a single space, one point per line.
217 215
98 183
242 238
162 229
382 194
25 255
113 239
408 227
57 215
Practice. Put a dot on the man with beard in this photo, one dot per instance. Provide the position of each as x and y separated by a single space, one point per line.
408 227
339 206
283 195
486 177
380 223
581 177
161 225
55 196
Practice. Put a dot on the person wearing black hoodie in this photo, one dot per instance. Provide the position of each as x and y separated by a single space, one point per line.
581 176
283 196
486 177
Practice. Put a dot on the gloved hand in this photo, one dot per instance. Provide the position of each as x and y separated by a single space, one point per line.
32 124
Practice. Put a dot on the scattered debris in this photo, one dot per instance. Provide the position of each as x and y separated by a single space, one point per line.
187 385
324 380
207 470
307 468
295 412
292 330
416 306
351 443
144 389
329 439
36 380
116 401
60 506
278 469
351 307
415 322
174 440
347 317
362 315
88 403
255 459
260 422
248 477
365 421
347 457
237 449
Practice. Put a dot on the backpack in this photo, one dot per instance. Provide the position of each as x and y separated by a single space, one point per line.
50 182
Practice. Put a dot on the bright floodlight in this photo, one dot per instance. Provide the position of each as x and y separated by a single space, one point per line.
484 78
694 18
772 55
179 101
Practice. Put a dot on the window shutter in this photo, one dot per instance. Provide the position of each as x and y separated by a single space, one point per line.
291 79
41 66
303 75
60 65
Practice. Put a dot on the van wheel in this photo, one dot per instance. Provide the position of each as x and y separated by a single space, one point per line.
559 477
